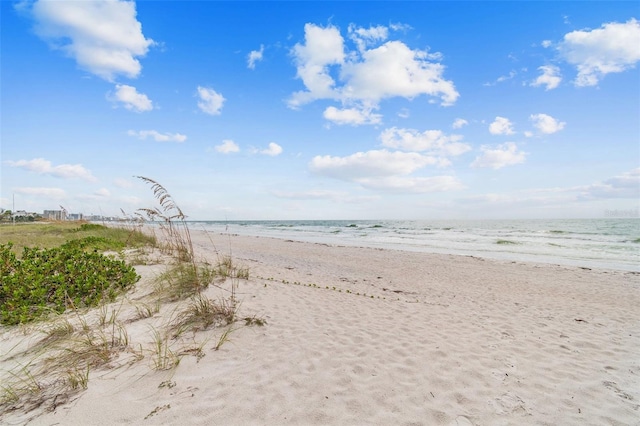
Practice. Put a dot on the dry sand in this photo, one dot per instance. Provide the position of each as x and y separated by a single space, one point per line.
437 340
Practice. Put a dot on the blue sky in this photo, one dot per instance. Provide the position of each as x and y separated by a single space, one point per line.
322 110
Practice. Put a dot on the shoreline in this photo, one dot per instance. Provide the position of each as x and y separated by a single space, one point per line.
375 336
539 245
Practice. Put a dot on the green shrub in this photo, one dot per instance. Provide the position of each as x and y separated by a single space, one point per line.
52 280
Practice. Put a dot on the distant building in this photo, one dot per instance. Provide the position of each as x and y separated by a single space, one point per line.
55 215
75 216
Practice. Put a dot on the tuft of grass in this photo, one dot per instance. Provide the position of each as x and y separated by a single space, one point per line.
248 321
78 379
202 313
184 280
164 358
145 311
224 338
172 222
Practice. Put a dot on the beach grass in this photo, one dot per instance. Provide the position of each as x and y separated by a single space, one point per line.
81 333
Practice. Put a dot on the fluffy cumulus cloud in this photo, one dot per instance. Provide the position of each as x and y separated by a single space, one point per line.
384 170
45 167
364 37
459 123
550 77
227 147
272 150
352 116
254 56
612 48
501 126
210 101
506 154
434 142
323 47
376 163
103 36
360 78
129 97
546 124
157 136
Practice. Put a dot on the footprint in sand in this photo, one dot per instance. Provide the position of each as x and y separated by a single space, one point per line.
510 403
461 421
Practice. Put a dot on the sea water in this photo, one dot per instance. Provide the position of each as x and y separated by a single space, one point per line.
589 243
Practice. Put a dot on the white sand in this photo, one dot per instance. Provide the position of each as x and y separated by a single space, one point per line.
445 340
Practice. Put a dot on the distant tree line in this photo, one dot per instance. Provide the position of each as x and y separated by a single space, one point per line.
8 216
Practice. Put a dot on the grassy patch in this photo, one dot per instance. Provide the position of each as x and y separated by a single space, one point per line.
93 236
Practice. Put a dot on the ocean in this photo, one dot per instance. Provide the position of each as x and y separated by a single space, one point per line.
588 243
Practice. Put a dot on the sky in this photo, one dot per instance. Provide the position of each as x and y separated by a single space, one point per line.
322 110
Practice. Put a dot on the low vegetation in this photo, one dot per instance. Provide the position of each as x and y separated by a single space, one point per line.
66 286
52 280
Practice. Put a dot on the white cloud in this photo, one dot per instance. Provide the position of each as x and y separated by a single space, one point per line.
546 124
393 69
376 163
398 26
55 193
322 47
383 170
367 74
546 43
44 167
503 155
273 150
609 49
102 192
626 185
210 101
501 126
353 116
103 36
228 146
550 77
157 136
131 99
364 37
502 78
433 141
255 56
459 122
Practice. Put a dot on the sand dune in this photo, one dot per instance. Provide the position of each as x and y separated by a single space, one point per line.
358 336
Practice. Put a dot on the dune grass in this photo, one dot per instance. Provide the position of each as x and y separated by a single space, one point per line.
61 354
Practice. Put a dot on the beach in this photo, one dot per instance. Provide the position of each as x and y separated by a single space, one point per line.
369 336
